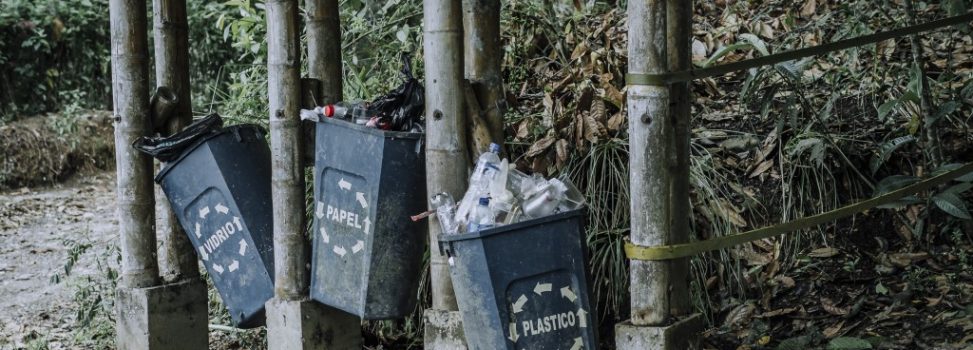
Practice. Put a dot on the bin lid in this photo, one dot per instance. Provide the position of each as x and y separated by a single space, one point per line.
512 227
235 129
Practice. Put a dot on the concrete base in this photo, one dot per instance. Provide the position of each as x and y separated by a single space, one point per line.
680 335
172 316
444 330
305 325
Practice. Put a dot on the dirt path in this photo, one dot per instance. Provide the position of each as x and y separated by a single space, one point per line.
43 232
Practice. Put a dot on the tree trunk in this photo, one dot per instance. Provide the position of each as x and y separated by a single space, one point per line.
130 83
287 179
177 262
483 55
651 146
446 158
679 30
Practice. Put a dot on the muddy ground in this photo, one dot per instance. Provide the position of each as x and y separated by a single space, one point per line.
57 248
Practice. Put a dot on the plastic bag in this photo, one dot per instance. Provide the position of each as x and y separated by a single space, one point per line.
401 108
169 148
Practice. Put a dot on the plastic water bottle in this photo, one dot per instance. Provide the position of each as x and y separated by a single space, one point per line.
486 167
445 212
353 111
483 217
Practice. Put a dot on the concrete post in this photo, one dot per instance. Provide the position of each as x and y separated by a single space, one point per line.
658 149
179 269
293 321
446 155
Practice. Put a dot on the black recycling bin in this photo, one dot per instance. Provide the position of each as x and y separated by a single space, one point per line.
525 285
367 255
219 189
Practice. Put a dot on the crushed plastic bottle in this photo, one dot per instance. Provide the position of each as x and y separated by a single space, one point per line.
483 217
353 111
445 212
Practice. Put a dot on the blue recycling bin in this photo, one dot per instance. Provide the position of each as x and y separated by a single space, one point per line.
525 285
367 252
219 188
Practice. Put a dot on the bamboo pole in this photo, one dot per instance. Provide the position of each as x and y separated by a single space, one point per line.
324 48
679 20
932 143
446 153
177 262
483 55
287 179
130 91
651 148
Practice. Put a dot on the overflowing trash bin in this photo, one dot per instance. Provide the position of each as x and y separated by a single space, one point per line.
525 285
515 246
367 254
217 181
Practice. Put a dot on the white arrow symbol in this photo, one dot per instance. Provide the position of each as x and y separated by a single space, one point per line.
202 254
582 318
218 268
567 293
513 332
243 246
358 247
320 212
239 225
540 288
198 235
368 223
577 344
234 265
324 234
519 304
345 185
203 212
340 251
222 209
361 200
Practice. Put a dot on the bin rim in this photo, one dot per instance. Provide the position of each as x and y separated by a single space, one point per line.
191 148
373 131
508 228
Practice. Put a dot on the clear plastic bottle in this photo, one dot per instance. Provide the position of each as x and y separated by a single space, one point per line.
483 217
445 212
352 111
486 168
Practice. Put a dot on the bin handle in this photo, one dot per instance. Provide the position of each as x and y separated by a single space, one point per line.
445 249
422 139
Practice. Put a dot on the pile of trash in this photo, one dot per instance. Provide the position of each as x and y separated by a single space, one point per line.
500 195
399 110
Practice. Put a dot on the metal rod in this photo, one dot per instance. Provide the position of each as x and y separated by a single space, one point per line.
178 262
287 179
651 149
446 153
130 87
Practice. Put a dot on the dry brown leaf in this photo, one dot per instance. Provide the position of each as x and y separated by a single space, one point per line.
778 312
809 8
753 258
833 331
616 122
561 148
763 167
825 252
540 146
829 307
598 111
740 315
593 129
785 281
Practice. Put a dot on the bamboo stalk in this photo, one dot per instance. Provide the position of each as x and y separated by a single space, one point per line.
481 30
287 179
177 262
932 145
651 148
446 157
324 48
679 20
130 87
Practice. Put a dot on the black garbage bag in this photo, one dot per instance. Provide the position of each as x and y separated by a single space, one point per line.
169 148
401 108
